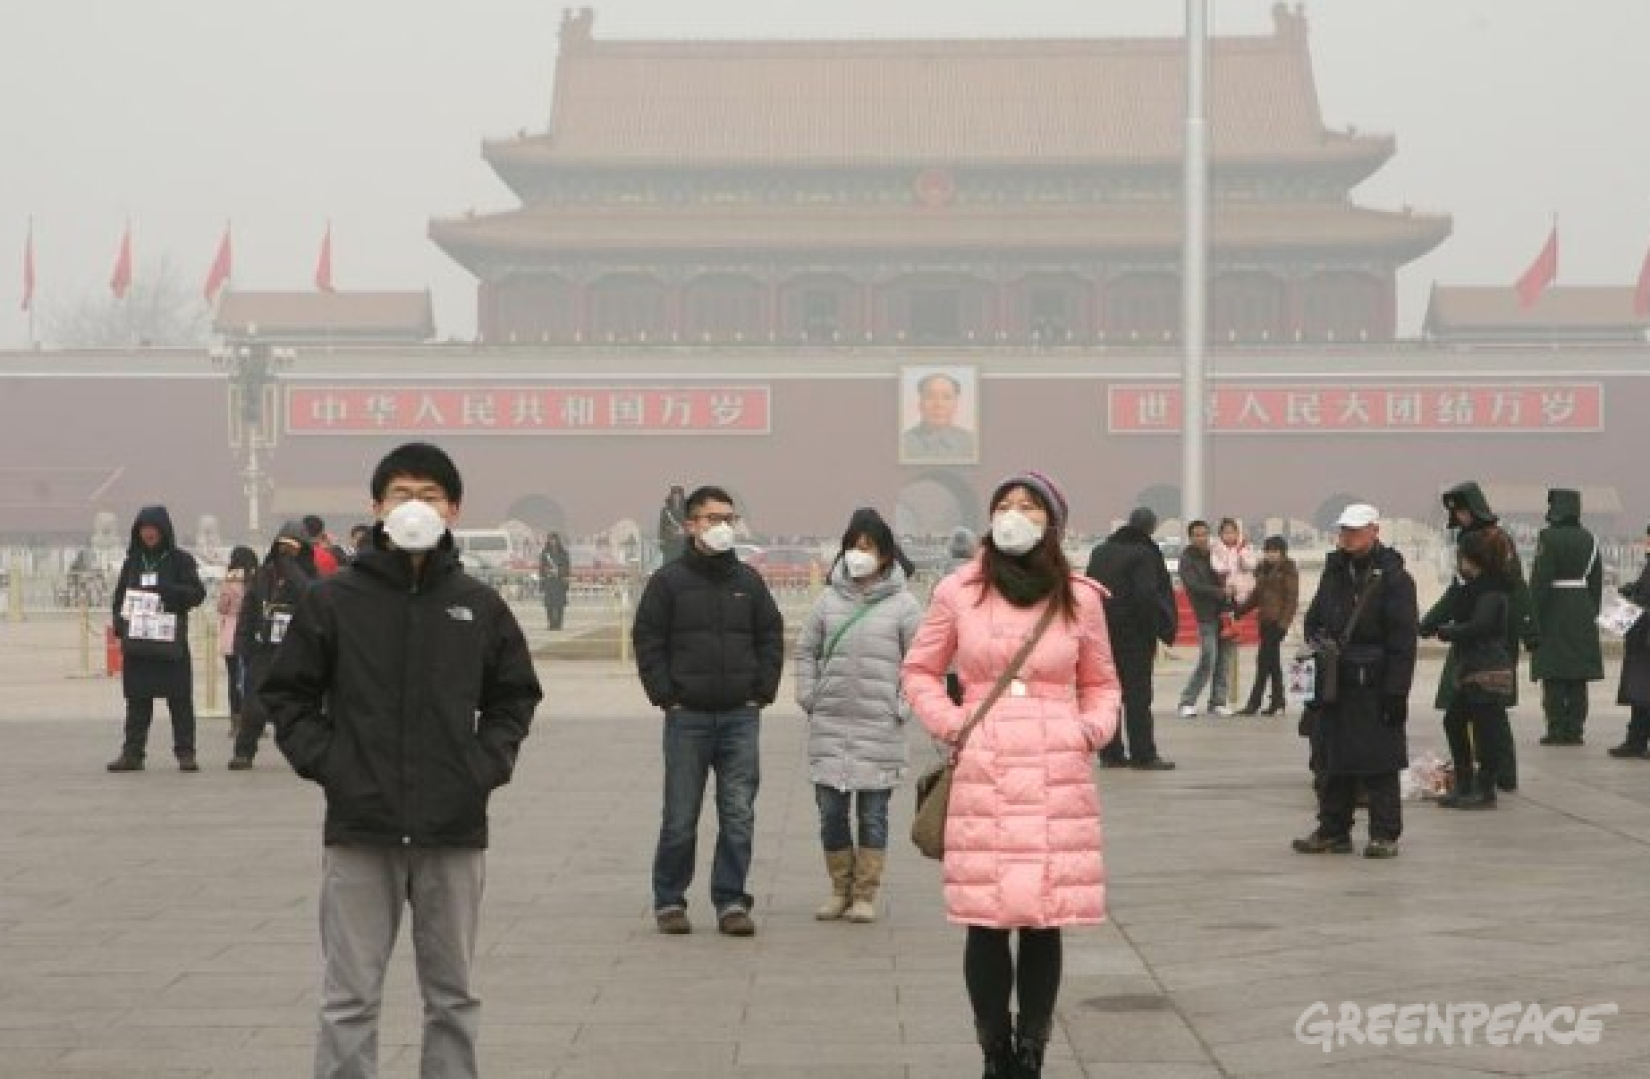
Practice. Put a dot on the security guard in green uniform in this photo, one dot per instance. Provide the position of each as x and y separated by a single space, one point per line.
1566 584
1469 511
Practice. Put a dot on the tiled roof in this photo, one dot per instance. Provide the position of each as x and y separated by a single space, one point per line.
776 103
551 231
309 316
1460 309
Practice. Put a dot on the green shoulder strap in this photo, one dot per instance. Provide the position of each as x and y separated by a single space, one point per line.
842 630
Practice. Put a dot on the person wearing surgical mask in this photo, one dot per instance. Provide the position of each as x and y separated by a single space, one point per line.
404 688
710 648
848 656
1023 843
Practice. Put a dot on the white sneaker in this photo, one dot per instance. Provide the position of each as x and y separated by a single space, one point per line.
1221 710
1187 711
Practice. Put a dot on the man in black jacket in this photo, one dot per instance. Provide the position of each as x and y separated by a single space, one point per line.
1365 612
404 688
710 647
1140 612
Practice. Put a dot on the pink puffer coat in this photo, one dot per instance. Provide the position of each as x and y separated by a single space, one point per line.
1022 840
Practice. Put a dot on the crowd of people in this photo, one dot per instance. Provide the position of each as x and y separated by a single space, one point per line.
1025 672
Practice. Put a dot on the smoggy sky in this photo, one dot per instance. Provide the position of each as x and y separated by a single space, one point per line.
181 115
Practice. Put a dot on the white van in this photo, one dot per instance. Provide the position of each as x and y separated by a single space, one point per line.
483 548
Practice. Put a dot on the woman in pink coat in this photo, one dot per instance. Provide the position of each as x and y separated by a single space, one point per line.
1022 839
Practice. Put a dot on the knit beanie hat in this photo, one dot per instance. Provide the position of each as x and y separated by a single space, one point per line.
1046 491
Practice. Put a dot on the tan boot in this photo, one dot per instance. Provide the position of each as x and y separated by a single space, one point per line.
868 864
840 864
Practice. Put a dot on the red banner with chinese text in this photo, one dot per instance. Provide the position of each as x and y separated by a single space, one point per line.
1475 408
527 409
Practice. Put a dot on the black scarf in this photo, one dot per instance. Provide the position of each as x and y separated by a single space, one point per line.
1021 583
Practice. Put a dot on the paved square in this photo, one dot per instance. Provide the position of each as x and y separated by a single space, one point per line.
162 924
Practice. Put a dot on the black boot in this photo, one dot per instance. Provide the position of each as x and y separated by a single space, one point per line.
997 1044
1480 796
1030 1040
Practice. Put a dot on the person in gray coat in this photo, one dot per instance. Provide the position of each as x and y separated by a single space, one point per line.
848 660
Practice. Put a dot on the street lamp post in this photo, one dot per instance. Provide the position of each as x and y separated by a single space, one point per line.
251 365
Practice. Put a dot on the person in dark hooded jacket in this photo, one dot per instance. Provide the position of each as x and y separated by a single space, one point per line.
1469 511
155 651
404 687
1566 585
1140 612
287 572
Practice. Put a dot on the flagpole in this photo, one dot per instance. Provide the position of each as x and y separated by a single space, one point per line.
1194 264
33 344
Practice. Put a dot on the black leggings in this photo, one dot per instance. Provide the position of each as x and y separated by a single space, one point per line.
989 969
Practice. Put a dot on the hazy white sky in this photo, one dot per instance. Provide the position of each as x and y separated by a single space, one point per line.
182 114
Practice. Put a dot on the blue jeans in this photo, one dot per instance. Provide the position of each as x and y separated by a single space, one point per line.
695 743
871 808
1212 654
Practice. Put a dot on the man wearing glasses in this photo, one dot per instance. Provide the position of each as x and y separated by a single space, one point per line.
404 687
709 644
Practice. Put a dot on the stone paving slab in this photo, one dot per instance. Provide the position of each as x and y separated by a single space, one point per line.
163 924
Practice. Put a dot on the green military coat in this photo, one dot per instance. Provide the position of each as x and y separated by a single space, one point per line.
1566 583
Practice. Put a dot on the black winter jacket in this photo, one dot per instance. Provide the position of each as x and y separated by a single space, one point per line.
1477 635
405 699
177 579
1140 610
708 635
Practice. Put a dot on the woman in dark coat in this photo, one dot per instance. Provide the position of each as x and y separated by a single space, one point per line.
1477 636
555 574
288 570
1634 688
155 659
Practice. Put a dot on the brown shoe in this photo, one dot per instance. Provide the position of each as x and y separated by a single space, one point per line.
187 763
735 922
125 763
239 764
673 922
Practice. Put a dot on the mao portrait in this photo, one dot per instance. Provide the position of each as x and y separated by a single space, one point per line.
939 416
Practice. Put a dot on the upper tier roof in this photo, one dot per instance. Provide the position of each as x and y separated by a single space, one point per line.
1113 102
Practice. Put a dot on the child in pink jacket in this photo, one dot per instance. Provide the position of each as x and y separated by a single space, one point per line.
1022 837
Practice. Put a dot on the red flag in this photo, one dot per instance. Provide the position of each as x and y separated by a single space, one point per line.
222 266
28 270
1641 294
121 279
323 265
1542 272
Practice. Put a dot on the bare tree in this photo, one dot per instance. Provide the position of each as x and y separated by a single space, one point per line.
159 309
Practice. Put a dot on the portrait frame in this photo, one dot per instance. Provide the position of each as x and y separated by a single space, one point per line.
953 442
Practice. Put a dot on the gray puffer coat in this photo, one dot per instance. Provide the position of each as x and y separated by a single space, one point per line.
856 718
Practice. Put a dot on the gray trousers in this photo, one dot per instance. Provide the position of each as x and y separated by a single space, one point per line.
363 892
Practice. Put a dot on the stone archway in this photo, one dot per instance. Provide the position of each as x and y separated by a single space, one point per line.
936 502
541 512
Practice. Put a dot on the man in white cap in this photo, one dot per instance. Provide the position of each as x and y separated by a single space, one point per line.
1363 622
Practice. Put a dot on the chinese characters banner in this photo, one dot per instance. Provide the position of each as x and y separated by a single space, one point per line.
1478 408
542 409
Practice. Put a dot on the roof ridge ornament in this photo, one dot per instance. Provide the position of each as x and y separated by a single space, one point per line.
577 27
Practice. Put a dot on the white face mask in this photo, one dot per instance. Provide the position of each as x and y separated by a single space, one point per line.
717 538
415 526
860 564
1014 533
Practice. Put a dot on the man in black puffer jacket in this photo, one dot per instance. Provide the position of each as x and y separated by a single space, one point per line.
1140 612
710 648
404 688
